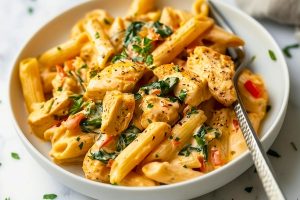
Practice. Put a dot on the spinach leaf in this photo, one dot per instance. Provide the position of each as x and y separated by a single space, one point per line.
127 137
93 120
77 102
163 30
132 31
122 56
103 156
165 86
203 136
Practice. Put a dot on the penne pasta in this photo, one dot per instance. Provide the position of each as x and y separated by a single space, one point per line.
139 7
63 52
31 82
132 155
200 7
167 173
100 40
181 38
181 134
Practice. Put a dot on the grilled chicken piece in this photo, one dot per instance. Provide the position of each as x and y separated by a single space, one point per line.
120 76
217 69
43 115
118 110
253 92
158 109
191 89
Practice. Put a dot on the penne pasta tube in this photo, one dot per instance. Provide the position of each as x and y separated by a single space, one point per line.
47 78
139 7
134 179
200 7
181 134
63 52
99 38
31 82
192 161
181 38
116 32
167 173
136 151
219 36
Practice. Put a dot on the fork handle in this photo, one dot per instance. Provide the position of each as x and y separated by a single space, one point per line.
261 161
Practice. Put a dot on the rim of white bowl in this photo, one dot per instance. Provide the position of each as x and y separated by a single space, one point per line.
28 144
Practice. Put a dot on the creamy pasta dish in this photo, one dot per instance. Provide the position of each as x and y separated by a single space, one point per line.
141 100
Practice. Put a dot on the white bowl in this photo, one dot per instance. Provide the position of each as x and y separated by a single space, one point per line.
258 42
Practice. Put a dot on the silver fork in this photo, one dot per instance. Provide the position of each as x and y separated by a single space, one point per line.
260 159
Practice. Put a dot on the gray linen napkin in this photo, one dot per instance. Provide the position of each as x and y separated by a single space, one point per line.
282 11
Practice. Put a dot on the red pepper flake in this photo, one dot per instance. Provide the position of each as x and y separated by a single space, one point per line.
235 124
110 163
253 89
60 71
202 167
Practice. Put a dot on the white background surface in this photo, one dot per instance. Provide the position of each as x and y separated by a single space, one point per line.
24 179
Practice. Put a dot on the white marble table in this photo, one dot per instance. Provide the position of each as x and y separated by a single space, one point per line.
25 179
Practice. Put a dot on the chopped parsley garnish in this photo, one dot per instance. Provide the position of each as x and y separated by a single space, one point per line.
78 139
173 99
7 198
185 151
272 55
177 68
49 196
294 146
192 111
122 56
150 105
127 137
286 50
273 153
163 30
149 60
93 73
177 139
106 21
93 120
268 108
248 189
165 86
149 121
15 156
30 10
77 102
137 96
97 35
59 48
59 89
182 95
80 145
103 156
